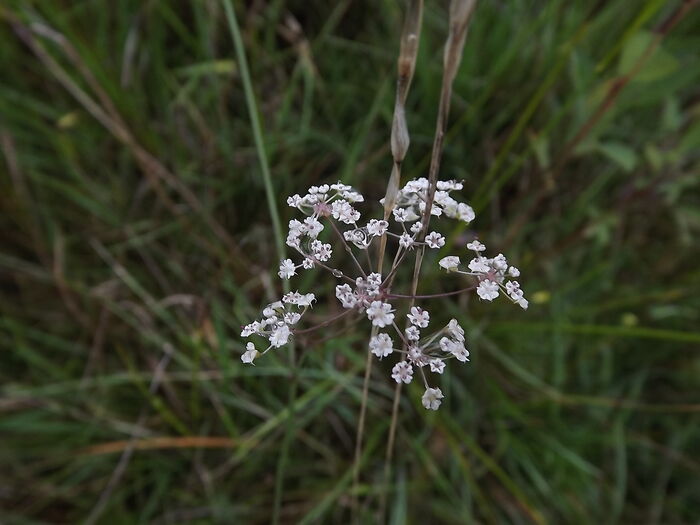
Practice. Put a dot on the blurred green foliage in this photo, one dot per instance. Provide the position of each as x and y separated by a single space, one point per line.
136 241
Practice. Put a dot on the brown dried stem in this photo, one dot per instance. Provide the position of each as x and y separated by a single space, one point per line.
460 15
410 39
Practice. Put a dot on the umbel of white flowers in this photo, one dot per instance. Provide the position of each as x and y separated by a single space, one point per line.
369 293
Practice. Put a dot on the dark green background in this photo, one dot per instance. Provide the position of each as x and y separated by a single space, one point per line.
135 226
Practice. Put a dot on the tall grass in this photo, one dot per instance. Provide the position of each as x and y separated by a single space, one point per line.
137 238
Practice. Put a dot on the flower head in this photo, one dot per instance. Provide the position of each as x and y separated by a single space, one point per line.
419 317
380 314
249 354
402 372
432 398
381 345
487 290
435 240
449 263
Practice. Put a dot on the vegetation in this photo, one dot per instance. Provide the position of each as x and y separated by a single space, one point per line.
137 239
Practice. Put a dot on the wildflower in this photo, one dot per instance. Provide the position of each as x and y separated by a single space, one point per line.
294 201
479 265
435 240
476 246
381 345
432 398
287 269
250 329
402 372
487 290
437 365
344 212
416 227
513 289
513 271
400 215
459 351
307 263
523 303
449 263
280 336
380 314
291 317
456 331
321 251
249 354
500 262
465 213
345 295
405 240
377 228
412 333
419 317
313 227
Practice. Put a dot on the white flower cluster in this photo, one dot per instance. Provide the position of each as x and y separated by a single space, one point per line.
413 196
330 212
431 351
277 323
494 274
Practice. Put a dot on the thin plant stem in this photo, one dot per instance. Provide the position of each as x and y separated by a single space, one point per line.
347 247
460 15
324 323
430 296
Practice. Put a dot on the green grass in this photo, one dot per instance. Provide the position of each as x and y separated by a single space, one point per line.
137 238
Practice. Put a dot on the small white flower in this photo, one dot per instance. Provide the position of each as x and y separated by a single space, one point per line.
437 365
513 271
291 317
455 330
513 289
487 290
249 354
447 344
465 213
460 352
374 279
250 329
416 227
412 333
321 251
449 185
479 265
313 226
306 299
380 314
416 356
449 263
419 317
435 240
344 294
381 345
405 241
294 201
280 336
342 211
271 309
400 214
287 269
476 246
377 228
307 263
523 303
402 371
432 398
500 262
